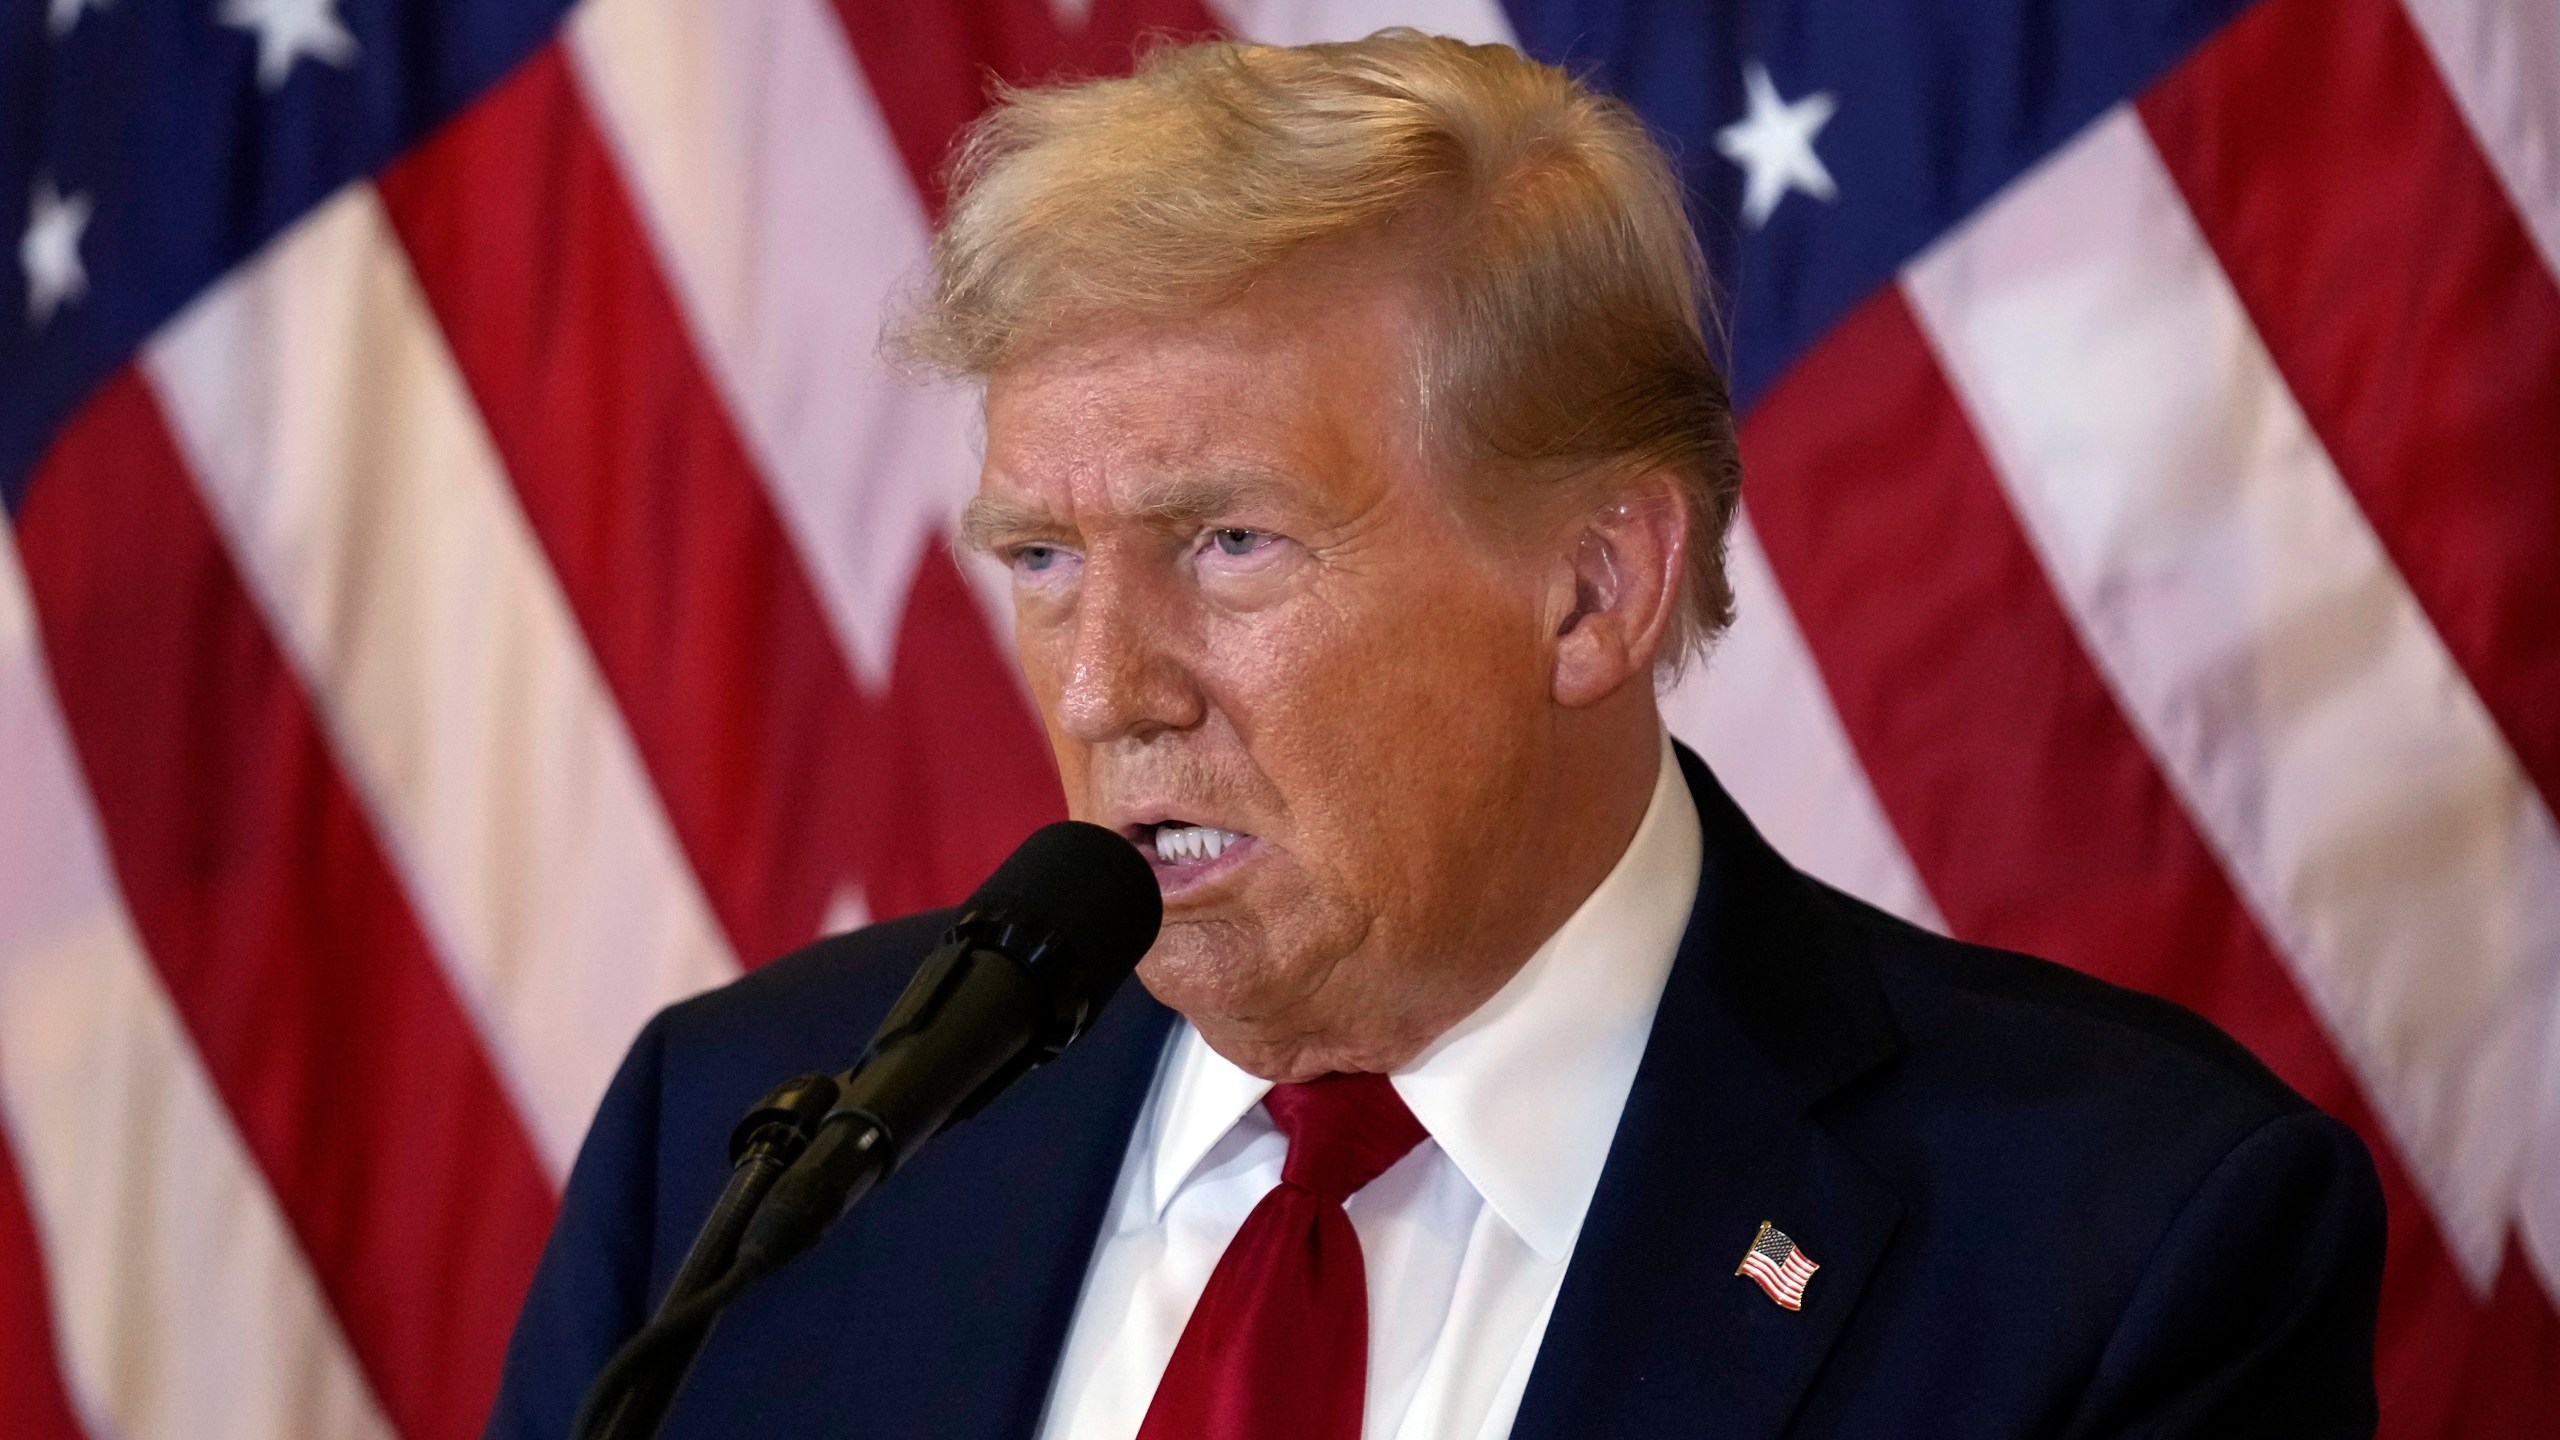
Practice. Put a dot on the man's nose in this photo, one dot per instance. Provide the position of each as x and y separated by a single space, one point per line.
1124 678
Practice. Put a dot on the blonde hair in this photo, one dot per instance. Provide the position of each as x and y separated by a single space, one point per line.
1566 347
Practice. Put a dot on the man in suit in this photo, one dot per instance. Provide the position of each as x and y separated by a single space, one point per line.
1356 453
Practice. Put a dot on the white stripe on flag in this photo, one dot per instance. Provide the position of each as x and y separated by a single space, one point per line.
346 468
785 219
2538 1204
2271 657
182 1307
2501 61
1757 711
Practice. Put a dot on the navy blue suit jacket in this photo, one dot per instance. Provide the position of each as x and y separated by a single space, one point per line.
2043 1206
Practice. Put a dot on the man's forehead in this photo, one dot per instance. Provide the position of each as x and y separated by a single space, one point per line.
1297 342
1354 292
1280 403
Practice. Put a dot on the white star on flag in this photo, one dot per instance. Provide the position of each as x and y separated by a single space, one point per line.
63 14
290 29
1773 143
50 251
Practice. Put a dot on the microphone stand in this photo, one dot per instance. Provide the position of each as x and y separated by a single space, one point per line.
1002 993
630 1396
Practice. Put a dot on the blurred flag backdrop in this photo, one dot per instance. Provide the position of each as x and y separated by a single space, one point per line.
470 582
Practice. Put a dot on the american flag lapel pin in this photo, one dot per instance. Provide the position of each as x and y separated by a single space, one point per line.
1779 1264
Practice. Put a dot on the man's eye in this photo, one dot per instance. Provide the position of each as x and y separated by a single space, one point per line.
1234 541
1035 557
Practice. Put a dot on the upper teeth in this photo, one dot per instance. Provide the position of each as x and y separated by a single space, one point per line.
1192 844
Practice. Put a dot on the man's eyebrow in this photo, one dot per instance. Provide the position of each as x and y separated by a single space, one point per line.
1170 502
1182 502
988 521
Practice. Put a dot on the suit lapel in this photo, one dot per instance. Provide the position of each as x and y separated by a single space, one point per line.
1769 1008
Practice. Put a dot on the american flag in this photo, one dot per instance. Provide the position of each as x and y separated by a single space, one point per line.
1779 1265
470 581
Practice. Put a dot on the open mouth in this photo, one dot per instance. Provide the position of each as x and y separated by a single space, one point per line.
1179 842
1184 853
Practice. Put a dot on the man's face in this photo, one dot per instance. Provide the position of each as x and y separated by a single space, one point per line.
1269 650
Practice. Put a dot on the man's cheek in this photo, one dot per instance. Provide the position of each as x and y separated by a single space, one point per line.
1037 651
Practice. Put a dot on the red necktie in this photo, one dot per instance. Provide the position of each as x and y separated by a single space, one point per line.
1278 1348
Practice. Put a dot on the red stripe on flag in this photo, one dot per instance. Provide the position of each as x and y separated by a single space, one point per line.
2511 1378
961 796
2032 811
31 1393
2402 299
275 921
702 618
930 62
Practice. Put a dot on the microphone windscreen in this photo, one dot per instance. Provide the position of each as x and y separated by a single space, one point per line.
1088 885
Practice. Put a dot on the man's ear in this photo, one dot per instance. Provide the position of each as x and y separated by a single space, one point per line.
1626 561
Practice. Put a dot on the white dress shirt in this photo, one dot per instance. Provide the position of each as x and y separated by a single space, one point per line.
1465 1239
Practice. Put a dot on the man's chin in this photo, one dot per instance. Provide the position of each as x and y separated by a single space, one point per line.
1212 970
1196 959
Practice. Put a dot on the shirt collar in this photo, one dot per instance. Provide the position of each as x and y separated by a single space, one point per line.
1524 1094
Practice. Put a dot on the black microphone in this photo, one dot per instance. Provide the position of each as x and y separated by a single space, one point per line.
1025 969
1034 956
